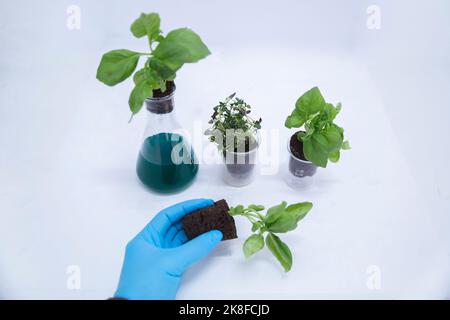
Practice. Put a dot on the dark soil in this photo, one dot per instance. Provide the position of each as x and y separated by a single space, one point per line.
241 164
296 147
215 217
161 106
170 88
296 167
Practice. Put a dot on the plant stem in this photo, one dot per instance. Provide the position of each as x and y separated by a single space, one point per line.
150 44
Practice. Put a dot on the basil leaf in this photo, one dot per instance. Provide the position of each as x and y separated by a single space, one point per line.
140 92
315 150
162 69
334 136
285 224
318 148
274 213
236 210
290 217
334 156
139 76
180 46
146 24
256 226
295 120
309 103
299 210
256 207
346 145
159 38
253 244
280 250
239 208
333 111
116 66
148 75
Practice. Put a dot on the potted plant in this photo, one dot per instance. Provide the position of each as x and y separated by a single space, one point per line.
234 132
162 164
319 139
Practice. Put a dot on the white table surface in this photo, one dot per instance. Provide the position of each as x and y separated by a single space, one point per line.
69 194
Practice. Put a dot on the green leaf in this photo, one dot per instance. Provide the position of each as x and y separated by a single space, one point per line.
331 112
315 150
346 145
149 75
305 135
334 156
295 120
159 38
140 75
140 92
336 111
256 226
309 103
180 46
146 24
290 217
253 244
116 66
280 250
299 210
318 148
162 69
256 207
334 136
275 212
236 210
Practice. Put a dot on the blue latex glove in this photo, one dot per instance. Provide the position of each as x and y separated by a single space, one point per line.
158 256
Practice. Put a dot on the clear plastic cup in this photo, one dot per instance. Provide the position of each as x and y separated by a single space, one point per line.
239 167
300 173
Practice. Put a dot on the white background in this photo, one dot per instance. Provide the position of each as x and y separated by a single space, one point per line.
69 194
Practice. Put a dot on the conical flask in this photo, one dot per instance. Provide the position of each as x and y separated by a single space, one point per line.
166 161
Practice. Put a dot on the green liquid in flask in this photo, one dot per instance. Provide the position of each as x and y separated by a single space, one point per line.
156 169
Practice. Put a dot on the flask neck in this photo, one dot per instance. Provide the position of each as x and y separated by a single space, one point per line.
161 115
162 102
161 105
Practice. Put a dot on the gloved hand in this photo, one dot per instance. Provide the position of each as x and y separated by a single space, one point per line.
158 256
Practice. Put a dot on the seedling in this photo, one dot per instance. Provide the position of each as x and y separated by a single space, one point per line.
278 219
321 138
232 127
166 56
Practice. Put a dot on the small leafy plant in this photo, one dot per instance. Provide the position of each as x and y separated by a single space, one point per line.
166 56
278 219
232 127
322 139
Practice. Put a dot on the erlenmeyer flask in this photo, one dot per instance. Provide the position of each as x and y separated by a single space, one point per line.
166 161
